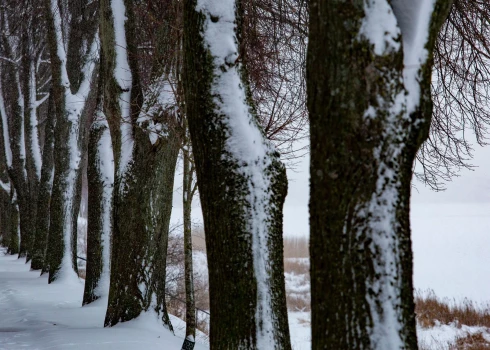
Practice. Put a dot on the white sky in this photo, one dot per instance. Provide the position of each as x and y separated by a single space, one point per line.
450 229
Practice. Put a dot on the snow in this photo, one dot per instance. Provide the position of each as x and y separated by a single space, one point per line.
38 315
124 78
5 126
105 160
300 329
74 105
20 103
159 96
380 27
414 20
441 337
35 147
245 145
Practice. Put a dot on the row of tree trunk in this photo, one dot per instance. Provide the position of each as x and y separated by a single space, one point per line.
368 81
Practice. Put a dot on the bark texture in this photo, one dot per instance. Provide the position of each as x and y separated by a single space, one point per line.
229 202
144 178
99 230
67 80
44 196
361 170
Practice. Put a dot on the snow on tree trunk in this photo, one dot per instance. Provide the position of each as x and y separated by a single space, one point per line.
9 207
67 157
100 174
242 184
44 196
18 171
367 97
145 166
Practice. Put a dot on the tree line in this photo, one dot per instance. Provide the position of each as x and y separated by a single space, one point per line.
121 87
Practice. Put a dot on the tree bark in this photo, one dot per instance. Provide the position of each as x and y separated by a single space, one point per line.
44 196
31 136
242 185
14 244
100 175
187 194
144 175
70 100
365 133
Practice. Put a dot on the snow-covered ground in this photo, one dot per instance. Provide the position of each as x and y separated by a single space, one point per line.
444 337
35 315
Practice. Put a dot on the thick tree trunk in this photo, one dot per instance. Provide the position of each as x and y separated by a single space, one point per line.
242 185
160 192
5 191
32 146
17 171
366 126
70 98
44 196
144 176
100 175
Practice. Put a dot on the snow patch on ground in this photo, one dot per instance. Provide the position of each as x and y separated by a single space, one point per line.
38 315
442 337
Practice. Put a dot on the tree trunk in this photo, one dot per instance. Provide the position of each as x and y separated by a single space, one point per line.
144 176
14 244
44 196
32 146
242 185
187 194
17 171
100 175
70 97
366 125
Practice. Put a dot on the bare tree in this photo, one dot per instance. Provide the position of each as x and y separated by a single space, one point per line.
460 93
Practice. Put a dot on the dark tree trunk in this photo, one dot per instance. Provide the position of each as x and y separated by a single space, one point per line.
242 186
17 171
14 244
31 137
363 142
100 175
44 196
69 133
143 183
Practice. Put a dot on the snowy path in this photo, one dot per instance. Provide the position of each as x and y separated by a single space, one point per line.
35 315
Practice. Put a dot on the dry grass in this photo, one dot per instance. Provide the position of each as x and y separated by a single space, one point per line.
474 341
430 309
296 247
198 239
297 266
